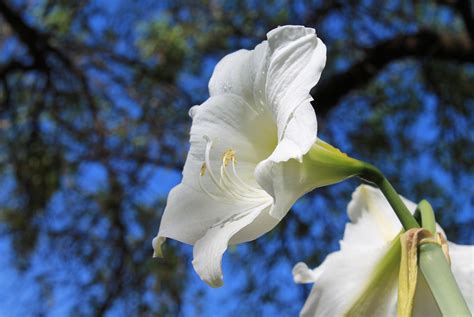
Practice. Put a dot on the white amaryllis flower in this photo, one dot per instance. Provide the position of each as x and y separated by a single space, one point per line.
361 279
248 161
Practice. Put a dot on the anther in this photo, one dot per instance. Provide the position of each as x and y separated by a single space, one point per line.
229 156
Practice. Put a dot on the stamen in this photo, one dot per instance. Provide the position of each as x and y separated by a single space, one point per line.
222 187
207 192
236 184
208 161
230 185
241 182
234 188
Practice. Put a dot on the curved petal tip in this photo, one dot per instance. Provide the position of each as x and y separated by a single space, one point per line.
192 111
208 265
288 33
302 274
212 276
157 242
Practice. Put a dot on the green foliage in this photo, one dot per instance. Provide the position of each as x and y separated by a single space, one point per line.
58 20
165 45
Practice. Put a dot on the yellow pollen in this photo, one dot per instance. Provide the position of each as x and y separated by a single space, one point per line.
228 156
203 169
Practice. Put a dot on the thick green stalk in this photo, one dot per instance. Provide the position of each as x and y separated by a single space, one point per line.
406 218
436 270
441 281
374 175
427 216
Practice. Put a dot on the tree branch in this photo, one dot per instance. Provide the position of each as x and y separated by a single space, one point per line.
35 41
423 44
14 65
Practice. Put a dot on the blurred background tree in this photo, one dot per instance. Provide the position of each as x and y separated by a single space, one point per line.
93 118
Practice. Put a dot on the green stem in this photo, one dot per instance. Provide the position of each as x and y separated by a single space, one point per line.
441 281
427 216
374 175
406 218
436 270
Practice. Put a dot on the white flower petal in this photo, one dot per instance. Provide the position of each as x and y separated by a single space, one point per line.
284 182
278 75
297 59
373 221
259 226
288 181
341 277
209 249
237 73
230 122
344 274
462 265
190 213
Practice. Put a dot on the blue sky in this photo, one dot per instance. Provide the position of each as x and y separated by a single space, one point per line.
19 291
